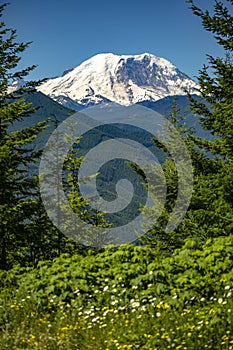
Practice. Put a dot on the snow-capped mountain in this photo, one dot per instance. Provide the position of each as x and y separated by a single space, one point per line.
121 79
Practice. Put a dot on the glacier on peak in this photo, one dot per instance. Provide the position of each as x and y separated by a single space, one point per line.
123 79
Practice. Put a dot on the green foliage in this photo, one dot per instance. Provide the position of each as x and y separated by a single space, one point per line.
176 183
16 153
211 211
77 301
193 270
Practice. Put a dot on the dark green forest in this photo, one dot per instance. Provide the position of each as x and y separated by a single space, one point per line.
167 290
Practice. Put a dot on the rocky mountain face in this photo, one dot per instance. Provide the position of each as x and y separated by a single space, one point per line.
121 79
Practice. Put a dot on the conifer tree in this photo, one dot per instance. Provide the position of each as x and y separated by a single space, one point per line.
16 152
211 212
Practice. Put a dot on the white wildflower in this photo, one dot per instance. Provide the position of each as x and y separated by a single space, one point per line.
135 304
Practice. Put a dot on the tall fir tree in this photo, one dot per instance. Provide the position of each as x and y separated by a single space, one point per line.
16 152
211 211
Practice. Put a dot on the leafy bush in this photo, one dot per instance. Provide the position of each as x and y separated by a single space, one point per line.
191 271
129 298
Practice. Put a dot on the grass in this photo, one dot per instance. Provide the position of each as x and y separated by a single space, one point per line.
141 324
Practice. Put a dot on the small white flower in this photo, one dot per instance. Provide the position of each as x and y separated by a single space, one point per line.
105 288
151 272
220 300
135 304
227 287
158 314
228 294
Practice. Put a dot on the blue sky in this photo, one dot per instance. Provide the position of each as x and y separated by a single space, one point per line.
67 32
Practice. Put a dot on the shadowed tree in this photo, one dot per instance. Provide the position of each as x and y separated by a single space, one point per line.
16 152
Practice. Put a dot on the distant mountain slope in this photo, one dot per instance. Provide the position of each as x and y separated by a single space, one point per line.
57 113
109 175
165 107
48 108
121 79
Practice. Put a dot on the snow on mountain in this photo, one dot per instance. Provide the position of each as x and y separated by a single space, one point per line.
16 85
121 79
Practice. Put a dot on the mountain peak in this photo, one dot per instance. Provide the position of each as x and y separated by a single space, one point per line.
124 79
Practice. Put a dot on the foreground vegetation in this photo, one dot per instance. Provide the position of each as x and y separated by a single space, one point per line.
129 298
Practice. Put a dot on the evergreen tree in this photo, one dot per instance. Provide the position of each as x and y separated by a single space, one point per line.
211 212
158 236
81 206
17 186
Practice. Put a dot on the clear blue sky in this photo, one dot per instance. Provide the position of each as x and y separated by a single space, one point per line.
67 32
